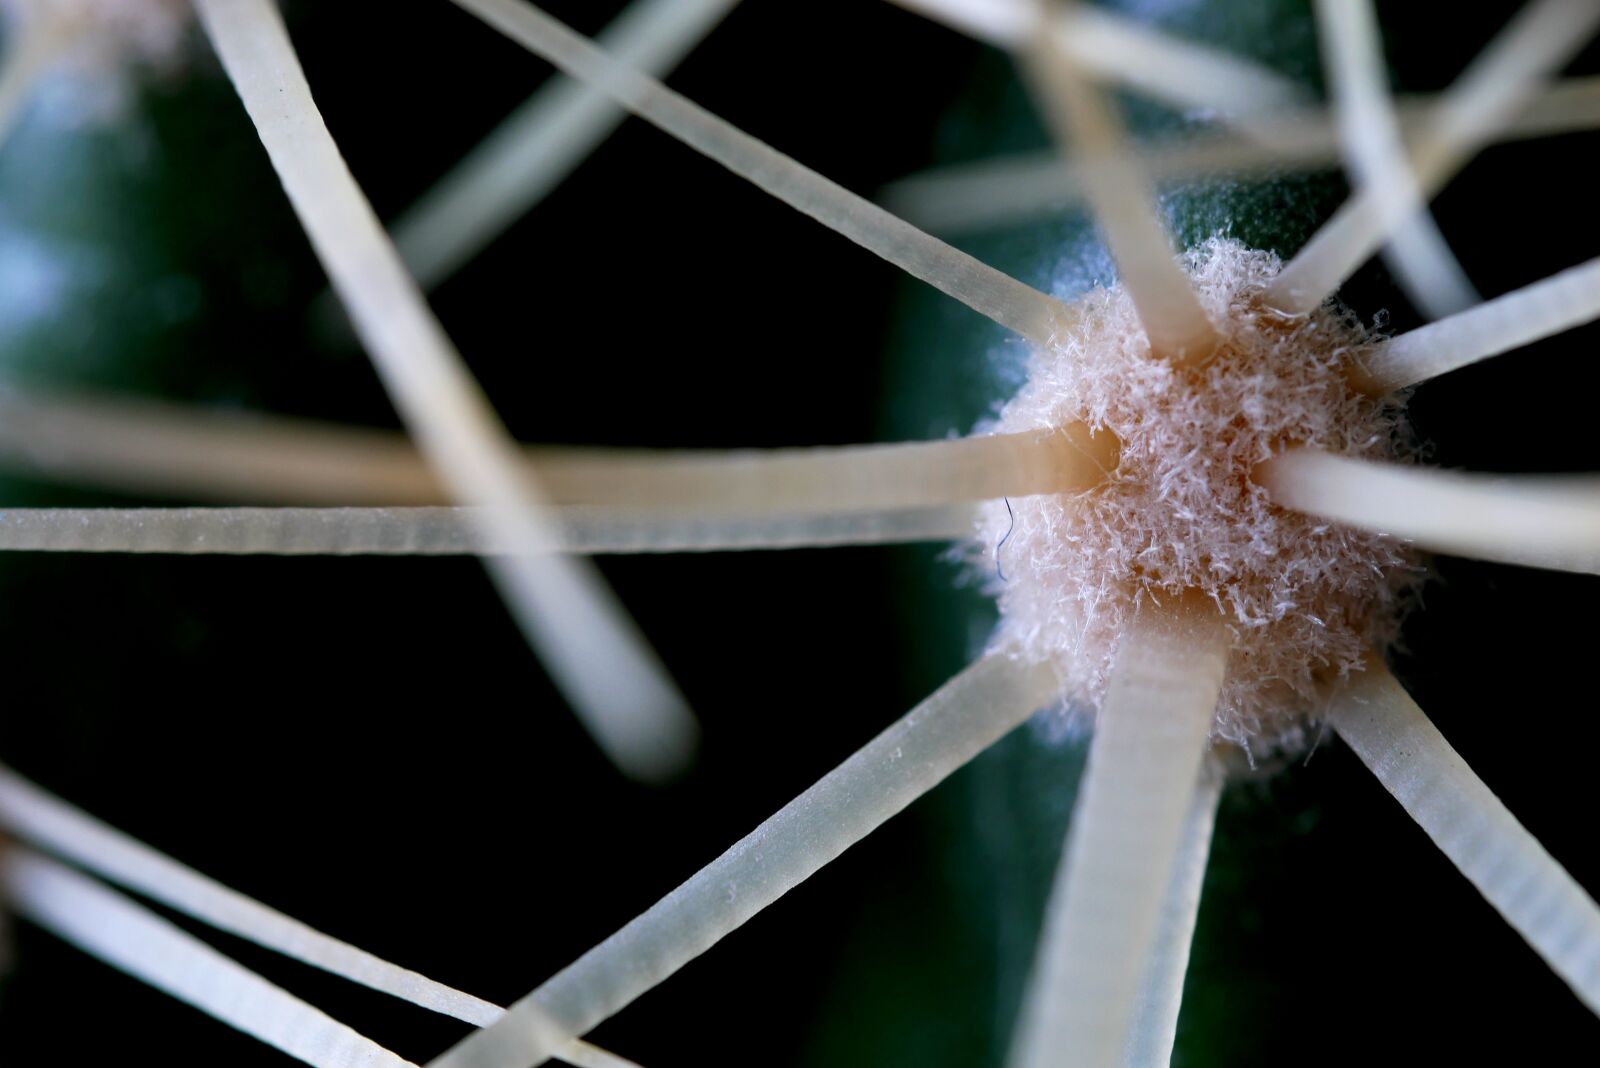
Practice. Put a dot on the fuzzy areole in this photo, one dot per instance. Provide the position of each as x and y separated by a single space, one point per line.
1304 599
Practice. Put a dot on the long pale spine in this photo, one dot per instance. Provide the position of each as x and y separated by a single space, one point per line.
1005 300
1501 81
1127 832
1008 190
152 447
171 449
1119 50
33 815
454 531
840 479
952 726
540 143
132 939
1376 155
591 648
1124 204
51 824
1539 521
1155 1014
1519 318
1414 762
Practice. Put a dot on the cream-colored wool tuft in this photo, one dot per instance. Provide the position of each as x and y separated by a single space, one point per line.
1303 598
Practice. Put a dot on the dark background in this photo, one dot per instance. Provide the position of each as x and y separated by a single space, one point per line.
368 745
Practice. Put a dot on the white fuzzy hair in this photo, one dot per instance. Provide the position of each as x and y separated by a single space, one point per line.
1303 598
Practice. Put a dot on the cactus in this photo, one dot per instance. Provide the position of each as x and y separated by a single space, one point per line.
278 729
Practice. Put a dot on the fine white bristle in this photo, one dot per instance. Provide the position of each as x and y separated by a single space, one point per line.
107 925
1127 833
1560 302
439 531
543 141
1375 154
592 650
989 292
1008 190
952 726
1542 37
1528 887
1539 521
1124 205
1115 49
1155 1014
